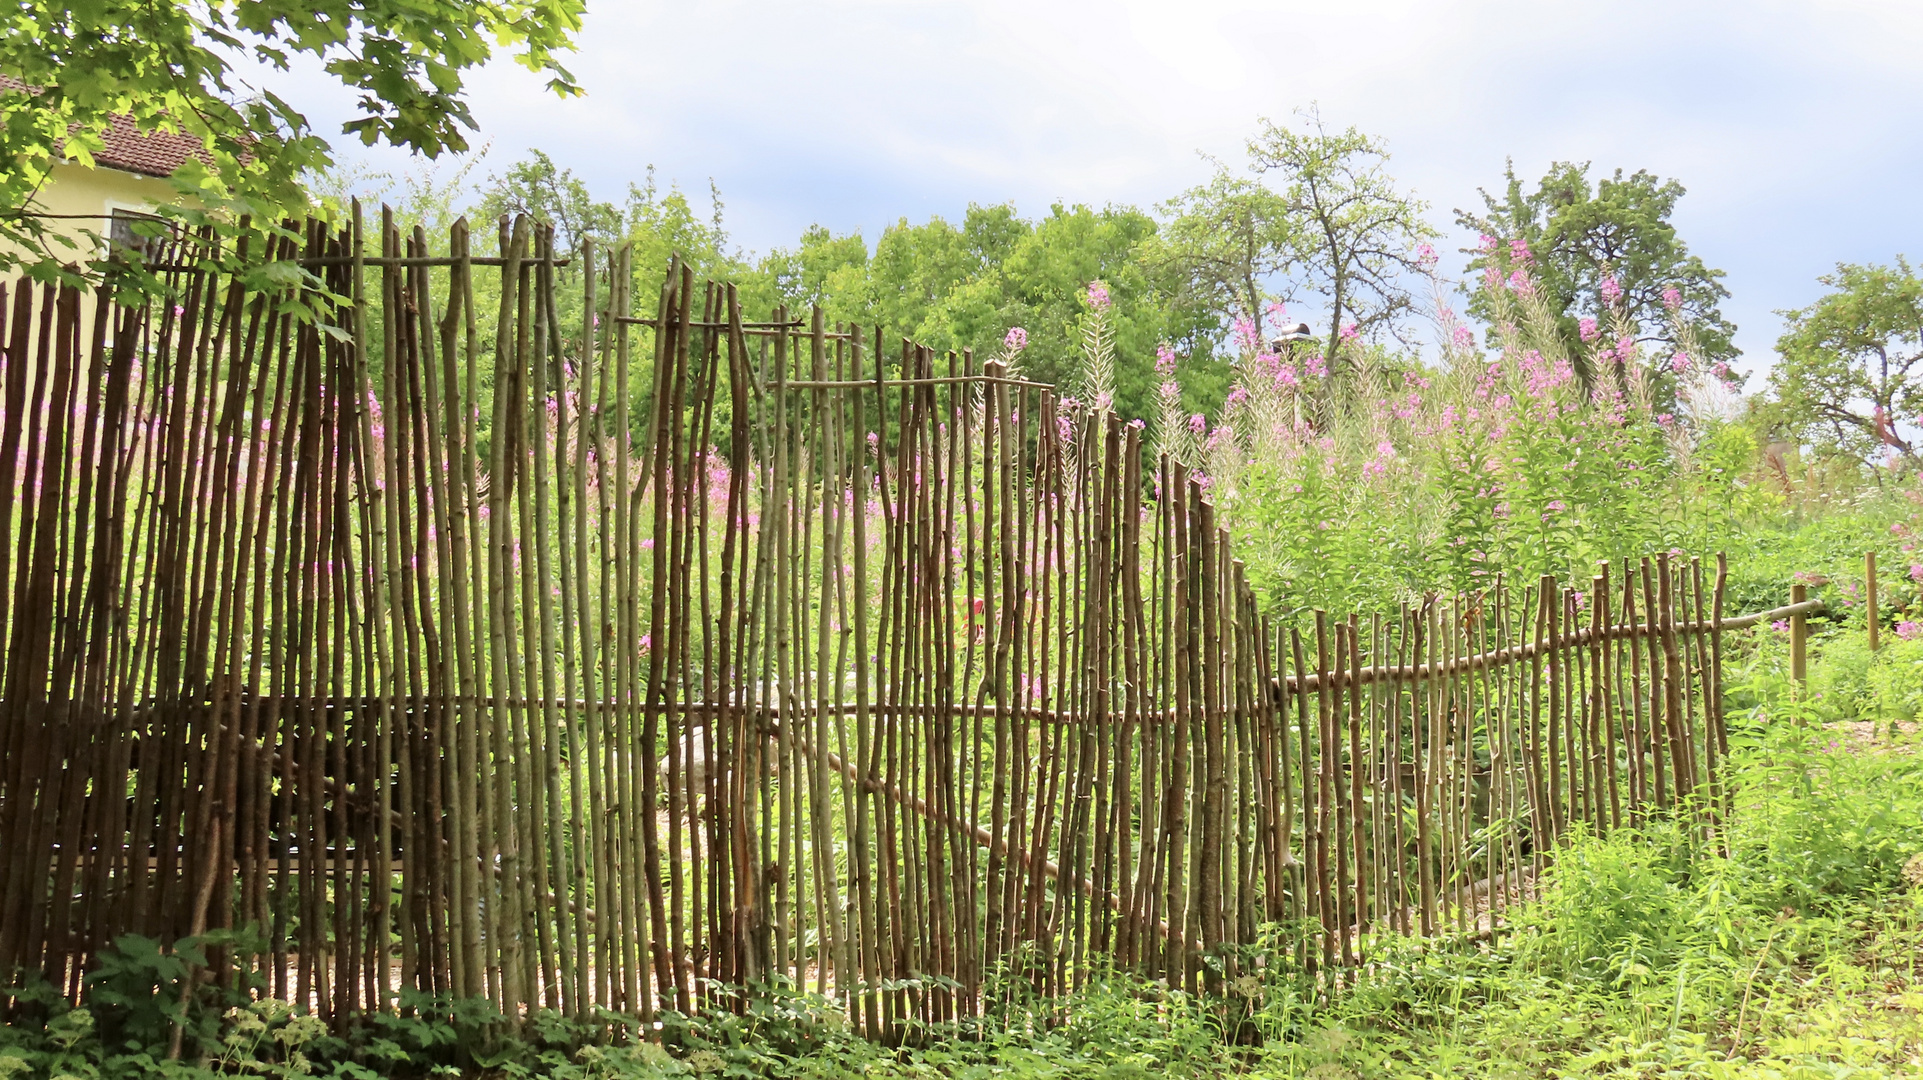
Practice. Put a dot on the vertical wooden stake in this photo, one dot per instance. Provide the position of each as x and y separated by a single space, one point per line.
1798 640
1869 588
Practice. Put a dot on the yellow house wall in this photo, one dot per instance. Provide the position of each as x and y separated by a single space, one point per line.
95 194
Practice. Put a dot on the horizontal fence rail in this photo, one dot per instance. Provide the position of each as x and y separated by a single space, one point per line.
488 639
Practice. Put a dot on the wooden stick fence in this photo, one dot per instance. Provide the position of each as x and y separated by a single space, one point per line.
592 662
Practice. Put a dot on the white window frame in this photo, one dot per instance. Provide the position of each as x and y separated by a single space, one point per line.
107 220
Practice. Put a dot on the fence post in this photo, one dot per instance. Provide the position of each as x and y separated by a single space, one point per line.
1869 586
1798 639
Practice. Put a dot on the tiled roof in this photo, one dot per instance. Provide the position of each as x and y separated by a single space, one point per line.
127 148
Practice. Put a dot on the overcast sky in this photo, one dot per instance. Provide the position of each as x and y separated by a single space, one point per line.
1793 124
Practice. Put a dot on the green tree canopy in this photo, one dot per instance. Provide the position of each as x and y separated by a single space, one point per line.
964 286
1580 236
1229 242
166 64
1851 364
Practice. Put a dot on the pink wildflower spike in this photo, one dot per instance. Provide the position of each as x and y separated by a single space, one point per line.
1781 626
1679 363
1425 256
1198 424
1351 332
1520 283
1586 328
1492 276
1611 290
1520 253
1485 242
1098 295
1909 631
1672 298
1316 366
1465 338
1276 309
1625 347
1164 360
1017 339
1245 337
1916 572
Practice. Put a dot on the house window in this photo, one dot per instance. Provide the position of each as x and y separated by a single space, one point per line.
128 241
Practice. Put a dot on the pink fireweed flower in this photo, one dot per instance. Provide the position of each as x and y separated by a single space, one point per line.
1017 339
1425 256
1285 375
1916 572
1198 424
1721 371
1519 281
1237 396
1098 295
1611 291
1664 419
1781 626
1909 631
1164 360
1138 423
1586 328
1316 366
1350 332
1245 336
1385 453
1672 298
1485 242
1519 252
1276 309
1465 338
1679 363
1540 377
1625 348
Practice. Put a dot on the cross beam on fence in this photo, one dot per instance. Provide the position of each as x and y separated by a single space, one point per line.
578 659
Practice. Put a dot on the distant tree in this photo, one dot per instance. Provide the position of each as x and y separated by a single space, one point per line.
1850 366
821 265
1229 242
1581 237
538 187
166 63
1354 234
1318 215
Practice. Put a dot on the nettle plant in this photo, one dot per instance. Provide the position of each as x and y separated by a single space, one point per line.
1392 477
